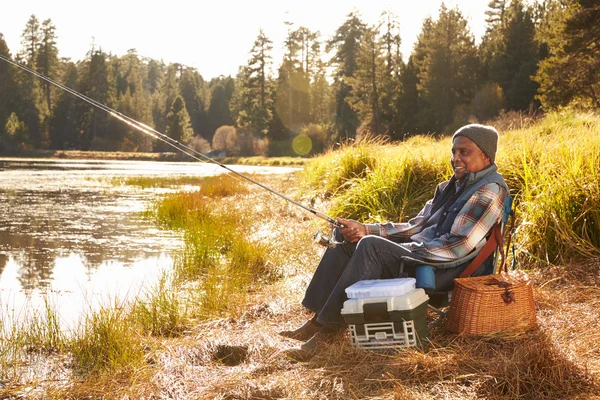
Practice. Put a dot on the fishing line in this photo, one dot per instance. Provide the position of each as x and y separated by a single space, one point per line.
319 237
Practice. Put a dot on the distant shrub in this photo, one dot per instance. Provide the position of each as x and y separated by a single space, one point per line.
199 144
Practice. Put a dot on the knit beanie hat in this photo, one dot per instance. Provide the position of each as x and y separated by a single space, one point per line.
484 136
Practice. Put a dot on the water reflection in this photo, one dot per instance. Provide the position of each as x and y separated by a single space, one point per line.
63 228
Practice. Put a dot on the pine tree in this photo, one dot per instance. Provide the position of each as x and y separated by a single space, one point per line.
571 73
511 54
31 40
192 88
446 64
47 59
320 96
252 101
407 103
63 123
345 42
96 81
218 110
293 82
164 98
9 93
179 126
391 85
366 82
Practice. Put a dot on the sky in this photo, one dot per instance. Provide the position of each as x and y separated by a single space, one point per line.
215 36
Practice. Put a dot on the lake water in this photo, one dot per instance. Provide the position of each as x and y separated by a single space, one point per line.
70 237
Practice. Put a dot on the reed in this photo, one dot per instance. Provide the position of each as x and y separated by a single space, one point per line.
553 168
217 252
161 310
108 341
29 333
225 286
145 182
332 172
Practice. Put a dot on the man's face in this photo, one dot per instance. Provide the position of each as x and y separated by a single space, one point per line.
467 157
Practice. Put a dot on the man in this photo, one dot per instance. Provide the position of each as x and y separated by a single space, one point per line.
461 213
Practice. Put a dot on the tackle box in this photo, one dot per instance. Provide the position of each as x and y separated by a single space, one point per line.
380 288
387 322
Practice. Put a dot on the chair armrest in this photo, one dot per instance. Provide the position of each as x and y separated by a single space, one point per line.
445 264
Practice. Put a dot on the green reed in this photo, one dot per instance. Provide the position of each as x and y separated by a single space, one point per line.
217 252
332 172
161 311
107 341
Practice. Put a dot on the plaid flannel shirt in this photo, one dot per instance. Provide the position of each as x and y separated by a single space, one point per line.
473 222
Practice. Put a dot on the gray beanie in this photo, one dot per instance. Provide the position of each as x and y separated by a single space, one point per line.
484 136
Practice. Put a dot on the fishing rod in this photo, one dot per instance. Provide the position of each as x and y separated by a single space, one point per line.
318 237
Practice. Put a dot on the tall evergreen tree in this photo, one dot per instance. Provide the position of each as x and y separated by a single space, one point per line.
446 63
252 102
510 53
407 103
47 59
293 82
96 81
366 82
218 110
571 72
31 40
391 85
9 92
64 132
31 107
346 43
192 88
320 96
131 100
156 72
179 126
164 98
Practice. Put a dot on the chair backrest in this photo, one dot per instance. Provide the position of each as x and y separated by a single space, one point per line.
493 247
508 213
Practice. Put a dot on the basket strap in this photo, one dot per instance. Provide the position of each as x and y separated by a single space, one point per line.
494 241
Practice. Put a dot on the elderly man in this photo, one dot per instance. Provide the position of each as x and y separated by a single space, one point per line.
462 212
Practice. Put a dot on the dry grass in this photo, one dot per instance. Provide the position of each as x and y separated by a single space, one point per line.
559 360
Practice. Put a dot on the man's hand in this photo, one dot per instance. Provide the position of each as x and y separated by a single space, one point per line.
353 231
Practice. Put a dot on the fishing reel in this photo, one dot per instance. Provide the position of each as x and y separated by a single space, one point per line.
327 241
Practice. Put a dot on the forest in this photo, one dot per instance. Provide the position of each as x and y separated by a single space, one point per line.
533 58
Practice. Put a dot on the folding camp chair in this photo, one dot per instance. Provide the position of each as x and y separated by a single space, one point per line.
480 261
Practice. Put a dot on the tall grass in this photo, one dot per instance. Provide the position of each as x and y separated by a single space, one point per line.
551 167
162 311
29 333
107 341
217 252
333 171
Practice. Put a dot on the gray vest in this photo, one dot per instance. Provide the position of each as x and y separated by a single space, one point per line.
452 203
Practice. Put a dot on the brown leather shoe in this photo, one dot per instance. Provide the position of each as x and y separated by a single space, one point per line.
305 332
311 347
319 339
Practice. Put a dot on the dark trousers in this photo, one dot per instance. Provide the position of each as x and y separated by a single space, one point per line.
373 257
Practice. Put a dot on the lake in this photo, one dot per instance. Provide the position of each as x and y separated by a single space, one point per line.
70 237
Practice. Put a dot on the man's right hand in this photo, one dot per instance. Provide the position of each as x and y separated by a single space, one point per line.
352 231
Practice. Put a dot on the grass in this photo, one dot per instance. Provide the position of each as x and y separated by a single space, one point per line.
107 342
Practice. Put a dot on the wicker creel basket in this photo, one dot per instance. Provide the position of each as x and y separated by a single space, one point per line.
490 304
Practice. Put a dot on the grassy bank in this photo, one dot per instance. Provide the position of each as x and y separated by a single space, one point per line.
208 329
166 156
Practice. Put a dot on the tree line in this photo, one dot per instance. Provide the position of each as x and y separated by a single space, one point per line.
536 56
